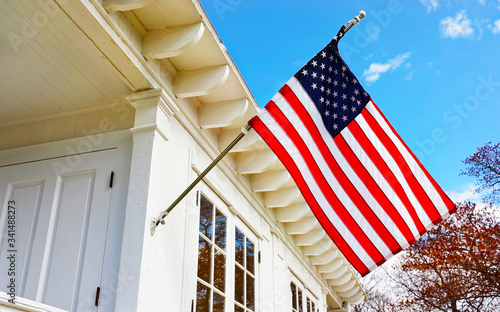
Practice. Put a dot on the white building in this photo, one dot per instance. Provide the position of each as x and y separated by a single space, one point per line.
107 112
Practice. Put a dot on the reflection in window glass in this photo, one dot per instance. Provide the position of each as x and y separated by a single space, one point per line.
239 246
239 285
220 230
238 309
293 288
202 298
250 292
250 257
220 270
206 217
219 302
204 260
299 295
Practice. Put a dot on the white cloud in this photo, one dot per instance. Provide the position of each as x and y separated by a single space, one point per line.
372 74
454 27
496 27
465 192
431 5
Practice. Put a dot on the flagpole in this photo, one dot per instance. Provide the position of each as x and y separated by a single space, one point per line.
156 221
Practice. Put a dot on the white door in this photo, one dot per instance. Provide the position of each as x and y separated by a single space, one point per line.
61 215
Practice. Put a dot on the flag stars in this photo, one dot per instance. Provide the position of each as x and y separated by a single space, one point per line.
344 118
314 86
335 127
344 68
314 63
330 69
323 66
344 96
344 107
322 77
314 75
356 92
353 109
353 98
323 54
327 113
335 116
335 104
304 72
328 91
328 102
335 94
344 85
335 83
322 99
322 89
329 80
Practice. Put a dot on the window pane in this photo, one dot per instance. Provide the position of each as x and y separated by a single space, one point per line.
220 270
239 247
204 259
219 302
202 298
250 293
206 217
238 309
308 307
300 300
293 288
220 229
239 284
250 257
313 307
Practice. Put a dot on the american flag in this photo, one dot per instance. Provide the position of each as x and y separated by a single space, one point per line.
367 189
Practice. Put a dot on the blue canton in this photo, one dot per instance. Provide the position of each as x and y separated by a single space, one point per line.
332 86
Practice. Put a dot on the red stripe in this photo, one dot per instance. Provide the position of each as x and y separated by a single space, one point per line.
374 188
449 204
382 167
288 162
342 178
415 186
323 184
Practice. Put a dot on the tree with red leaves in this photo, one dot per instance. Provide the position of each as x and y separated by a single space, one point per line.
484 165
455 266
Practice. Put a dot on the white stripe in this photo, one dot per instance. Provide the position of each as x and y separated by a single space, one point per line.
393 166
381 181
291 149
415 168
351 174
332 181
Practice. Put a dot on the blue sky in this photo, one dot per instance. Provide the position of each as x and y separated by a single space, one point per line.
432 66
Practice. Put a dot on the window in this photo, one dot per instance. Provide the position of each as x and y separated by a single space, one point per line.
311 307
226 275
211 287
300 301
297 305
244 273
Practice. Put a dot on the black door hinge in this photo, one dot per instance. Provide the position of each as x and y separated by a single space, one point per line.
97 293
258 256
111 179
